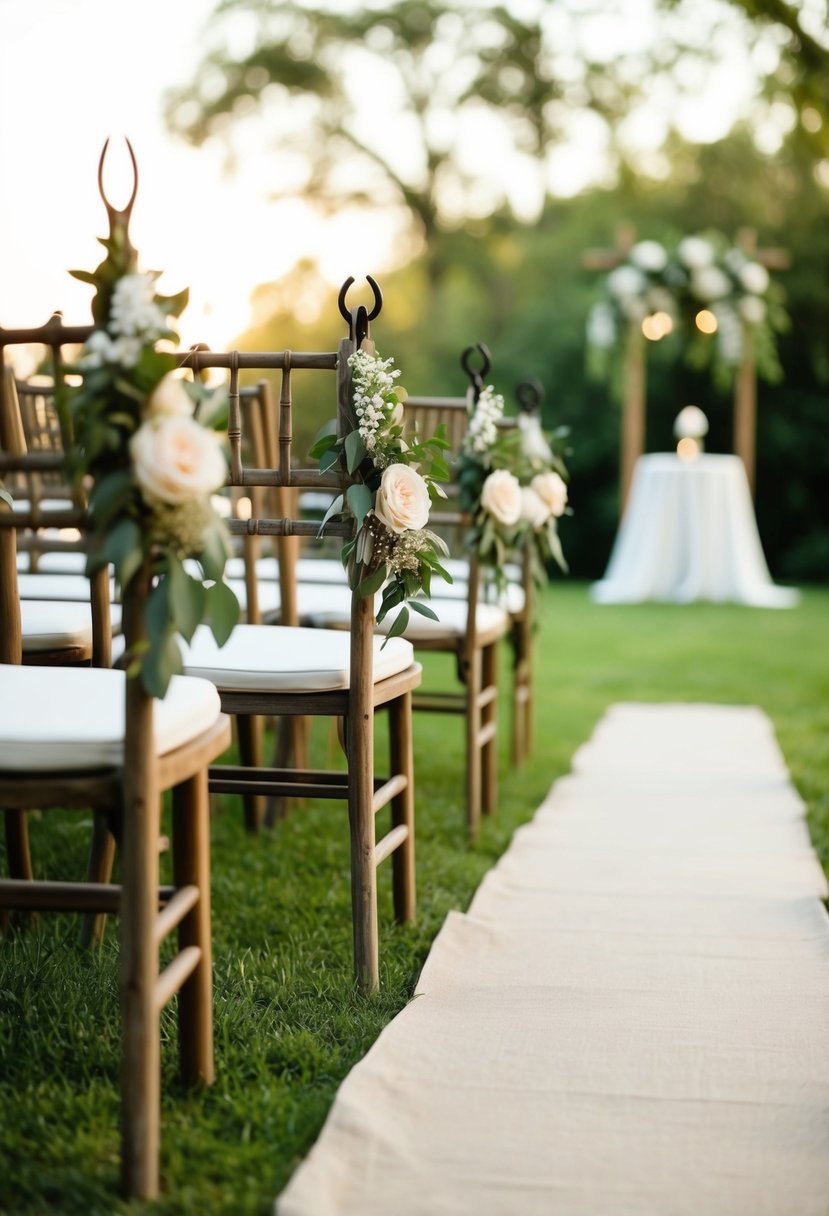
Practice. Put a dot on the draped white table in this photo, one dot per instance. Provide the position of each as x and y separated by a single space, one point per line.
689 533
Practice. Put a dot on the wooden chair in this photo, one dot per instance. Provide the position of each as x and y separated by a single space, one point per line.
118 756
426 413
286 671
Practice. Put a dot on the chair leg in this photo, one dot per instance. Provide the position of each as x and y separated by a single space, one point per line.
249 733
489 749
98 869
141 1060
402 807
17 845
359 737
290 750
18 856
191 867
472 719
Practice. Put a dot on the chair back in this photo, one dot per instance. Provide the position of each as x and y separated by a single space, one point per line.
26 464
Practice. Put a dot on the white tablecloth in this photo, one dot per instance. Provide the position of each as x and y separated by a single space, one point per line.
689 533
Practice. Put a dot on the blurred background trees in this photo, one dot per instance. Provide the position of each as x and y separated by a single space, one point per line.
478 103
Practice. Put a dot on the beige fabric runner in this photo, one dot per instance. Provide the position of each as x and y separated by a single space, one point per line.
632 1019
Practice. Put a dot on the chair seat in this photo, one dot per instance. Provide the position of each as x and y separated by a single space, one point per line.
492 622
267 593
279 658
511 599
59 625
308 570
69 562
72 718
46 585
458 567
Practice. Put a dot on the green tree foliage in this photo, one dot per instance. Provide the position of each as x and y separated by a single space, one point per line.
451 73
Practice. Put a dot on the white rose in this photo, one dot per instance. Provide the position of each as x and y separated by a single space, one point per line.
754 277
695 252
649 255
501 497
551 488
533 508
710 283
170 397
625 281
403 499
176 460
752 309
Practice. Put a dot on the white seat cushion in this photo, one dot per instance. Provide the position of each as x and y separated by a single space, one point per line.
277 658
458 567
511 599
267 594
452 613
72 718
59 625
54 563
45 585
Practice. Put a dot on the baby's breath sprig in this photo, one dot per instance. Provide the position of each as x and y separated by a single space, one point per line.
393 482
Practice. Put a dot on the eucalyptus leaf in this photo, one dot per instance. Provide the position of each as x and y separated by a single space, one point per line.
214 554
161 662
355 451
334 509
187 599
6 496
373 582
123 548
223 611
109 496
400 624
329 459
325 437
360 500
424 609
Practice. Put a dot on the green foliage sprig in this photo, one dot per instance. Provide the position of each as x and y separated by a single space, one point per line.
513 482
149 467
715 294
392 484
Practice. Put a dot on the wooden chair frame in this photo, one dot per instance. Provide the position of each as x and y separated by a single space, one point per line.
453 412
131 795
355 706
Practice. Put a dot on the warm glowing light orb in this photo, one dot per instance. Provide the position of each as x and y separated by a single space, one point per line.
656 326
688 448
706 322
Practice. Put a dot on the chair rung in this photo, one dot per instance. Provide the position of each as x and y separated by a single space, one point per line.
24 895
276 788
391 841
175 911
440 702
486 696
388 790
487 733
175 974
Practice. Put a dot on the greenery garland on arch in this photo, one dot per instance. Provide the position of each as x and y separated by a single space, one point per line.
703 288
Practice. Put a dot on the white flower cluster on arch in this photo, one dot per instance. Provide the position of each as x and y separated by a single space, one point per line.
702 285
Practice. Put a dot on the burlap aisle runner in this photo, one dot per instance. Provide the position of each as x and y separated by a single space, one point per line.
633 1016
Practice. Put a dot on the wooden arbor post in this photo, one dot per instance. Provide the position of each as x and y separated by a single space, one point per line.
745 384
632 439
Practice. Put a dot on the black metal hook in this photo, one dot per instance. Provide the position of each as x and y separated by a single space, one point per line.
116 215
358 318
476 375
529 395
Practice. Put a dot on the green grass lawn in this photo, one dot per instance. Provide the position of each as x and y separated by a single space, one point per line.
289 1024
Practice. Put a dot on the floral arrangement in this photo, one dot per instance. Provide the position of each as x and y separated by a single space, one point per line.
148 465
393 482
718 292
513 483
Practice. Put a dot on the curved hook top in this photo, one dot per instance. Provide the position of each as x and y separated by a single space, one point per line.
476 375
113 212
361 312
529 394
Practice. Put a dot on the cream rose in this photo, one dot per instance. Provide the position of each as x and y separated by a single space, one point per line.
533 508
551 488
501 497
170 397
176 460
402 501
